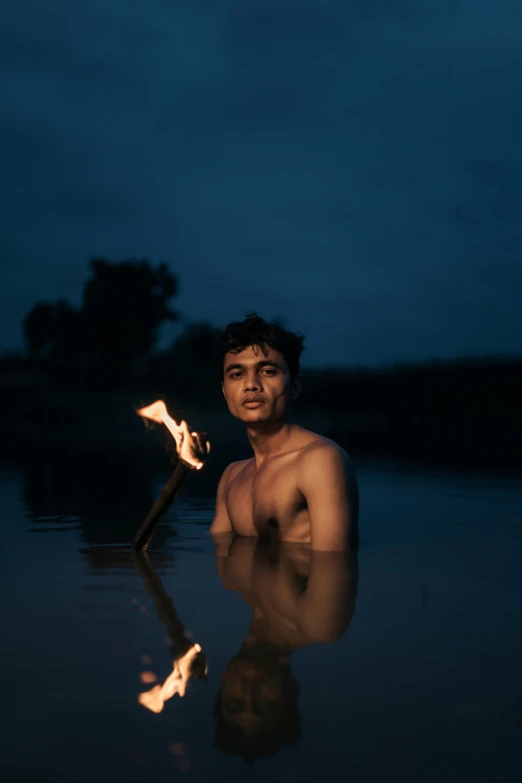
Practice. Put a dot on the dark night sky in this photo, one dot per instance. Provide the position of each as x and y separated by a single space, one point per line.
354 167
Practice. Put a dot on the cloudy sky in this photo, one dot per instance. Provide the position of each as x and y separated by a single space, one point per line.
351 166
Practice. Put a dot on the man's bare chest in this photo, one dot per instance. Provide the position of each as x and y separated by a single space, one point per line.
268 501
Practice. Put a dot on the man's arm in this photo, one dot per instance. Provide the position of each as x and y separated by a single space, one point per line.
327 605
327 482
221 522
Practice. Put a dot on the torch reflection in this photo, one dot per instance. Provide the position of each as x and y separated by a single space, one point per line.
189 659
154 700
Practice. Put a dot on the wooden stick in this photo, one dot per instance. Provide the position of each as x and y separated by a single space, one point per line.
161 506
168 614
163 603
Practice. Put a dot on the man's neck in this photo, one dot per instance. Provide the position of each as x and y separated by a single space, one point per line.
269 441
268 641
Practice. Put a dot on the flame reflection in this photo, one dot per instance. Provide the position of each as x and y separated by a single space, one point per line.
189 660
176 682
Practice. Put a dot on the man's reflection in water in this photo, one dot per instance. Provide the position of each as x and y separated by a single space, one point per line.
298 597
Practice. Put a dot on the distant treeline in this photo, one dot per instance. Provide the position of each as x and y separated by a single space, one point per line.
466 409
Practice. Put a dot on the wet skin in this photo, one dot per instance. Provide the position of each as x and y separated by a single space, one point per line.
299 486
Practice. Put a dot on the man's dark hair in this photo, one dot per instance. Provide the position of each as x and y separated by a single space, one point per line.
254 330
230 739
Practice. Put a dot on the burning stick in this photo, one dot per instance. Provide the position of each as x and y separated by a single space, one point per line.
192 450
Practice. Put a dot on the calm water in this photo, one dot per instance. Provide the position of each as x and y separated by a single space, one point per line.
413 674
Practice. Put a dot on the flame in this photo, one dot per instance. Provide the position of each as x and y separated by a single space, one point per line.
176 682
188 445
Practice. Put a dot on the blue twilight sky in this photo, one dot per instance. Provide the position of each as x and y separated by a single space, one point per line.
352 166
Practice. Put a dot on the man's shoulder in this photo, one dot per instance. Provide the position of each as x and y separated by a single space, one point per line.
324 463
233 469
324 452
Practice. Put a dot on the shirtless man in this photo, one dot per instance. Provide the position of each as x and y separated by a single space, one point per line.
298 486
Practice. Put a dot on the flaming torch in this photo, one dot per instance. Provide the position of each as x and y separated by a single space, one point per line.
192 450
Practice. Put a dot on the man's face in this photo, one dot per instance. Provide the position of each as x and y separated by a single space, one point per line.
258 388
254 696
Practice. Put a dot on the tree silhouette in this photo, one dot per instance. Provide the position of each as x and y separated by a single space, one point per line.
123 306
196 346
51 331
193 362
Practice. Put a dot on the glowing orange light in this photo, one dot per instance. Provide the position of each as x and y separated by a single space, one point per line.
148 677
178 749
154 700
186 441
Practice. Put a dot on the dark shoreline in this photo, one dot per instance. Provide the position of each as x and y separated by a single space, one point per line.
466 414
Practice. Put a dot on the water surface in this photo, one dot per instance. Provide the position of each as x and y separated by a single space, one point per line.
420 679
